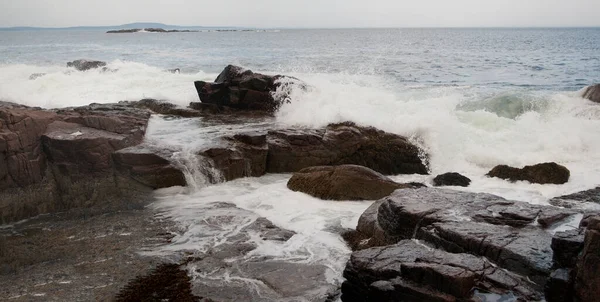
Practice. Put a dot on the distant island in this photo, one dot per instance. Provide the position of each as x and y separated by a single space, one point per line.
162 30
151 30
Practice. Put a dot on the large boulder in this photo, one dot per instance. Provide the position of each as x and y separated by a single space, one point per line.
292 150
345 182
587 283
592 93
546 173
240 88
514 236
83 65
451 179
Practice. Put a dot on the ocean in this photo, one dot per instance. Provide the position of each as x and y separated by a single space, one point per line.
471 98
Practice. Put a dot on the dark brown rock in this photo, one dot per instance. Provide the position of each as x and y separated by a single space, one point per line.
61 159
451 179
346 182
546 173
83 65
243 89
22 162
339 144
592 93
166 108
587 283
148 167
242 155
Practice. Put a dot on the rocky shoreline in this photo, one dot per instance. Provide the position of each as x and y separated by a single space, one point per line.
415 243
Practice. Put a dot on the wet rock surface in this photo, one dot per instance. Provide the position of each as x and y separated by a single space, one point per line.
592 93
451 179
83 65
577 199
505 235
240 88
345 182
163 107
165 283
66 257
148 167
411 271
345 143
56 160
239 155
218 255
546 173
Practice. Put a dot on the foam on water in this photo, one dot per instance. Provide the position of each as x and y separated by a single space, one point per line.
123 80
462 130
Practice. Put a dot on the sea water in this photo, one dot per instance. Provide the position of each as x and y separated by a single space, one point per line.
471 98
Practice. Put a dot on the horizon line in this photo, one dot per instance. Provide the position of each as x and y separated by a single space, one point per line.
306 27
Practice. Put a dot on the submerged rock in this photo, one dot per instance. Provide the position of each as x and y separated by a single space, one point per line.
83 65
508 233
345 182
167 282
226 238
239 88
592 93
34 76
546 173
451 179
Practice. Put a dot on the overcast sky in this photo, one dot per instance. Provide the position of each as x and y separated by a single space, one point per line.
302 13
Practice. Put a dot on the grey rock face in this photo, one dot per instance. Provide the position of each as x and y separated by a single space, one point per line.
508 235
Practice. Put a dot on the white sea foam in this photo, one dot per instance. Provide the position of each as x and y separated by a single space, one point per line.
462 136
63 87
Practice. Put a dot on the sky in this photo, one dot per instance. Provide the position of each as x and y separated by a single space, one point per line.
302 13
